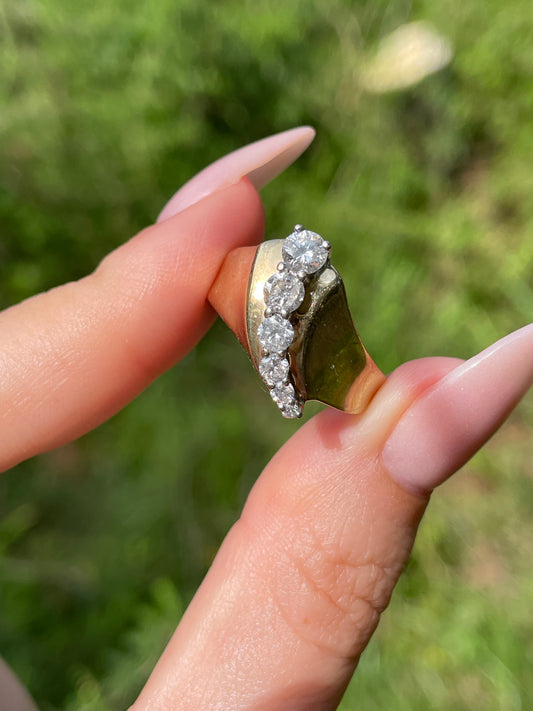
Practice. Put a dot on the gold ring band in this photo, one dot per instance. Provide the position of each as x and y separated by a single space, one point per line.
294 289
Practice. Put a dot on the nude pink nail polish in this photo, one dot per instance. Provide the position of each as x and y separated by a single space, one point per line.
441 430
260 162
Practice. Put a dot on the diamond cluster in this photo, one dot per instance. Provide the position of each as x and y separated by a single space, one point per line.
304 253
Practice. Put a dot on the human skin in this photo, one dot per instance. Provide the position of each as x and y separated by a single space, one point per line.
299 583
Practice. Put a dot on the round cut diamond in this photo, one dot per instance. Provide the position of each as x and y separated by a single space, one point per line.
275 334
305 250
274 369
292 411
283 395
284 292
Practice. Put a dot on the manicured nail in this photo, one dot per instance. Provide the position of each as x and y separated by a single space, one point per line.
449 422
260 162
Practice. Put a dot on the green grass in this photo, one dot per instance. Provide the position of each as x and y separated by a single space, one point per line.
426 197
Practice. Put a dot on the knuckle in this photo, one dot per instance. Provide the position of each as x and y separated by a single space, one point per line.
332 600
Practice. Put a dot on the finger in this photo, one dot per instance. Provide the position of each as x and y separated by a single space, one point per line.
71 358
450 423
13 696
298 584
228 292
260 162
301 580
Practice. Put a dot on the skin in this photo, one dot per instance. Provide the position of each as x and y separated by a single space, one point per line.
299 583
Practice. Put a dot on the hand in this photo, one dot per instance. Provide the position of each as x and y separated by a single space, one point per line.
300 581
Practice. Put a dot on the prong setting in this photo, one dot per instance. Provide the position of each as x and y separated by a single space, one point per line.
304 254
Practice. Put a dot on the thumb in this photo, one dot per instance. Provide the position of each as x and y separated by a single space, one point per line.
301 580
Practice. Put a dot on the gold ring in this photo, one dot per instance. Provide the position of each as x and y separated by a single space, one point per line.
299 330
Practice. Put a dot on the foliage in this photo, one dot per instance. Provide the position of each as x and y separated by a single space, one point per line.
425 194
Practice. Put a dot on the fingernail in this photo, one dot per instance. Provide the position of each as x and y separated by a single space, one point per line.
450 421
260 162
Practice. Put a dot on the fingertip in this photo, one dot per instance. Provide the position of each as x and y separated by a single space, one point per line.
260 161
446 425
228 293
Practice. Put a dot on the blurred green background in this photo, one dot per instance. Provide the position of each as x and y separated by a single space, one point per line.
106 108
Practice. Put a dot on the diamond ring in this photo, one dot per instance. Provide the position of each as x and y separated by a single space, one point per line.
299 330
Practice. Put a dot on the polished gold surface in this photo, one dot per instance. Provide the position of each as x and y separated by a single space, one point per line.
328 360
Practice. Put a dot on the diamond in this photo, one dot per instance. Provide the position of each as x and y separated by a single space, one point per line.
305 251
274 369
283 395
284 292
292 411
275 334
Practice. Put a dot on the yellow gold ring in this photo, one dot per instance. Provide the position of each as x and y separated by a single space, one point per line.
299 330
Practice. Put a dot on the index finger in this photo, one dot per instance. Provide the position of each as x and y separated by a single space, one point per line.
72 357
